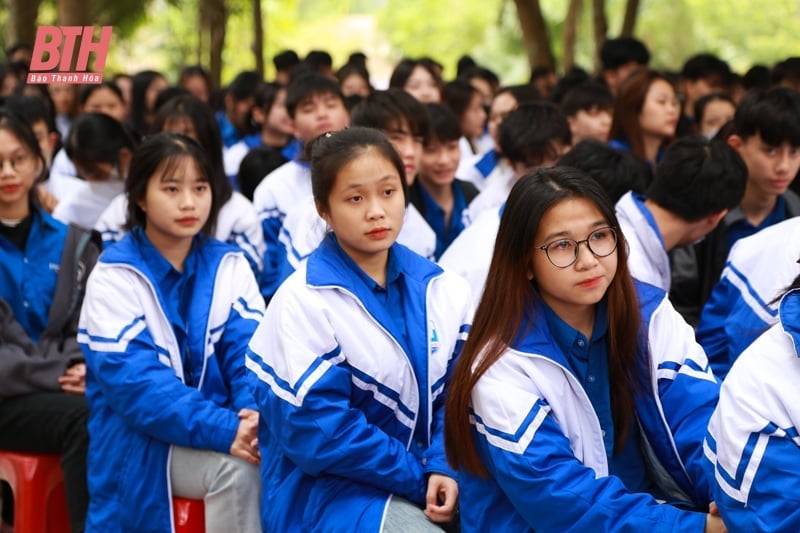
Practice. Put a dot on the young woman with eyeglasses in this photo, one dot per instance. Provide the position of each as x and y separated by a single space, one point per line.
43 269
581 399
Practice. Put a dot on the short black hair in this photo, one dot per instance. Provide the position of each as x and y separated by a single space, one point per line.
786 71
623 50
572 78
757 77
318 58
244 85
617 171
529 132
386 110
308 85
96 137
587 96
285 60
706 66
32 108
773 114
444 123
697 178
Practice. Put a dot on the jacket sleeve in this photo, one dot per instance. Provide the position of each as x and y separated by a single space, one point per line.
130 371
688 393
533 464
303 391
271 222
246 312
24 368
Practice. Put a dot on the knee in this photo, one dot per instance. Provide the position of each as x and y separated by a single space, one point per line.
238 473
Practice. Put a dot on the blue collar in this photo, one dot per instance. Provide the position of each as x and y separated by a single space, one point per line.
295 151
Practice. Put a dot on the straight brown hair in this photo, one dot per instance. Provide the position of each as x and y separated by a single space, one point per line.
509 294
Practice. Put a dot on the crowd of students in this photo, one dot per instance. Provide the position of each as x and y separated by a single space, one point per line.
444 305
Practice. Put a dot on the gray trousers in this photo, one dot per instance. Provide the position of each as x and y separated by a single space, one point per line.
403 516
229 487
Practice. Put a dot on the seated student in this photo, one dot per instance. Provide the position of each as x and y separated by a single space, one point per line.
438 195
196 80
234 120
404 120
237 222
105 98
466 102
702 74
744 303
533 135
487 168
711 112
536 138
316 106
350 363
274 134
646 111
101 149
695 185
419 78
166 319
43 269
581 397
751 443
588 109
620 57
766 133
618 172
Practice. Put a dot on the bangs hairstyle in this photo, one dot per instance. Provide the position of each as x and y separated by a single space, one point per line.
191 108
159 155
389 110
510 297
773 114
15 124
530 133
330 152
308 85
444 124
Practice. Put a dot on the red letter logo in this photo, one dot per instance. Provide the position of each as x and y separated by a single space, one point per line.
44 46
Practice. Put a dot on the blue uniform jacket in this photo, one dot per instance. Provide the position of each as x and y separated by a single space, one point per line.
539 437
339 398
139 404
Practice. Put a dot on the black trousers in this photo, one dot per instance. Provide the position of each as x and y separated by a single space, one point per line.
55 423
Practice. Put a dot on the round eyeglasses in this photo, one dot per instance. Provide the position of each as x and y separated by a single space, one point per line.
564 252
22 162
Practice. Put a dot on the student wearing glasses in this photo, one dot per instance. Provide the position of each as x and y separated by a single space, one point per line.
580 400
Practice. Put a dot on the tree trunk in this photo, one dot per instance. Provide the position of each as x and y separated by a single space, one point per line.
600 30
535 36
202 24
21 23
73 13
629 22
570 30
258 37
217 19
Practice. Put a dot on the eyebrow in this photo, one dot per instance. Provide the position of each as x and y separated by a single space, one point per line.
387 177
565 233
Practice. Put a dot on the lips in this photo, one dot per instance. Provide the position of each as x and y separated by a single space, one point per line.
590 283
8 189
378 233
187 221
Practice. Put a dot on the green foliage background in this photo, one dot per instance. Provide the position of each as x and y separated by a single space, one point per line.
164 35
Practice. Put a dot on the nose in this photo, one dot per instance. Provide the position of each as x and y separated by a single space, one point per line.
187 200
783 162
375 209
586 259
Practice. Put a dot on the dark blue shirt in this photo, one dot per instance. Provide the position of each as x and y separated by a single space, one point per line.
435 216
28 277
743 228
175 290
230 134
588 360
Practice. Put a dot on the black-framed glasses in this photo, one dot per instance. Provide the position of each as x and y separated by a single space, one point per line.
21 162
564 252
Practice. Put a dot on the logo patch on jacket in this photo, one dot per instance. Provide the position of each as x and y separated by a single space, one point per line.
434 342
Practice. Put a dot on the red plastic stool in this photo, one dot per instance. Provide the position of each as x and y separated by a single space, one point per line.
38 487
189 515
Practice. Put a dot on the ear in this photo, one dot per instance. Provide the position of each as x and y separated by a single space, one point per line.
258 115
735 142
714 219
52 140
322 212
125 156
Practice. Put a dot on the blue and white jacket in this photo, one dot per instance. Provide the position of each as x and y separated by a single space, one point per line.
339 398
286 188
237 223
752 444
138 401
539 437
758 268
647 257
